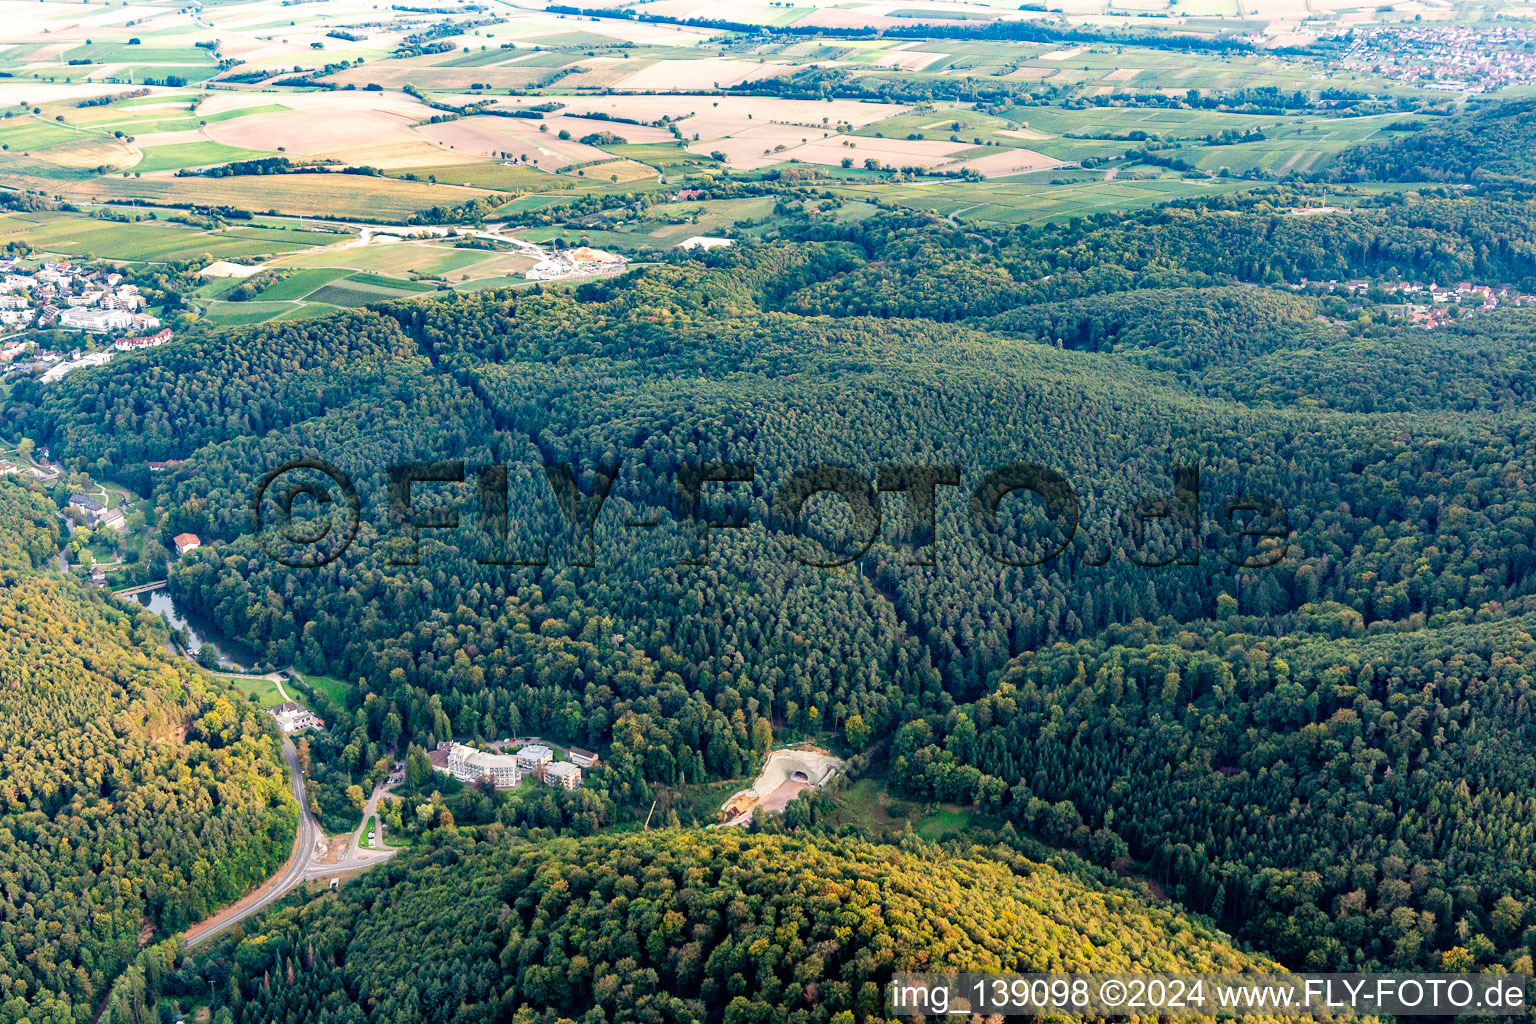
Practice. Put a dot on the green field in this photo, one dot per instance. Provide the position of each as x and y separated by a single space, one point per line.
29 133
192 154
236 314
347 293
334 195
299 284
490 174
264 690
306 292
143 240
335 690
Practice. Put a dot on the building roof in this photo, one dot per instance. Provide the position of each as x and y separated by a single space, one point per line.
183 539
481 759
535 752
88 503
562 769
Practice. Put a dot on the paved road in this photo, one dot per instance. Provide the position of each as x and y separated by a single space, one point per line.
297 869
302 866
356 856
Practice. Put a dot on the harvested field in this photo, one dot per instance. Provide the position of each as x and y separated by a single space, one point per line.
14 91
481 137
92 151
340 195
509 264
224 268
909 60
580 127
710 73
1010 161
892 152
761 146
397 74
402 154
619 170
318 124
714 117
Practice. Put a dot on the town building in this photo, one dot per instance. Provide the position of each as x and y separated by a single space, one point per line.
143 341
186 542
63 370
469 766
534 757
584 758
94 513
95 321
293 717
562 773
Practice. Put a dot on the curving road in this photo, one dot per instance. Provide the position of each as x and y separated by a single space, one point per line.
302 866
285 881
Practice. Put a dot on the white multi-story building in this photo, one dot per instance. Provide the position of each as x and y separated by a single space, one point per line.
469 766
97 321
534 756
562 773
293 717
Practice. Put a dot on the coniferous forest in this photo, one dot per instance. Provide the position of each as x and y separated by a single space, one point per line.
1257 690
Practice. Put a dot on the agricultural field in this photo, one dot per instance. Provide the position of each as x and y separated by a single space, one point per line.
482 115
152 238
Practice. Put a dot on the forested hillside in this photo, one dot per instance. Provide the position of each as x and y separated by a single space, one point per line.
1361 806
29 532
135 798
164 402
681 926
1342 800
1489 145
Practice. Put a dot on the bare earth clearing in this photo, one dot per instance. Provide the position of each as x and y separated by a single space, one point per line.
785 774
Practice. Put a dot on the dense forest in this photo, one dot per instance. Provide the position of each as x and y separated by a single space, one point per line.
1290 689
136 798
1340 799
678 926
1493 145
